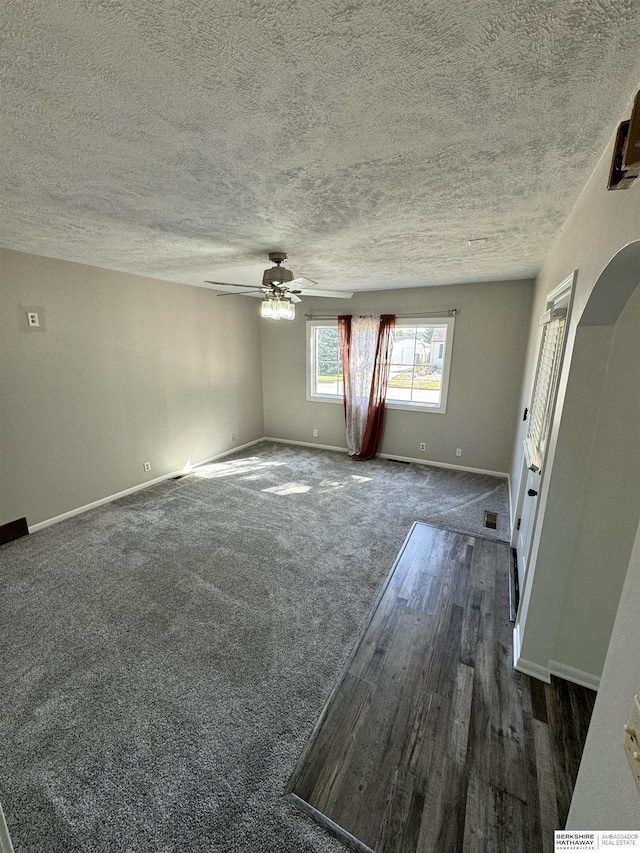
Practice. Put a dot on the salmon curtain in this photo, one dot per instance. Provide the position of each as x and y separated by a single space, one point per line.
365 352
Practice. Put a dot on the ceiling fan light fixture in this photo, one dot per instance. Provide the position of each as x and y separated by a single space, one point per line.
286 309
277 308
267 308
277 289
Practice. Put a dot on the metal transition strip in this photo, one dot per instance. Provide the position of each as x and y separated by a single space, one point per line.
514 586
5 842
334 692
320 818
330 825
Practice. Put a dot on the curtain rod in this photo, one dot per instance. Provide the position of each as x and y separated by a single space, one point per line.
450 312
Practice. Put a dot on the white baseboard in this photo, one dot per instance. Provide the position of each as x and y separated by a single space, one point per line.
554 667
512 521
517 644
533 669
33 528
109 498
526 666
393 457
500 474
304 444
577 676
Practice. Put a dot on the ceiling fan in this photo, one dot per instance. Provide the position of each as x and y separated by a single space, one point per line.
280 290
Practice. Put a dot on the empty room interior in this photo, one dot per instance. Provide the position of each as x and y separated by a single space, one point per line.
245 605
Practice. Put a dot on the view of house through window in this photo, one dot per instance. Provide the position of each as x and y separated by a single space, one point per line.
418 375
417 360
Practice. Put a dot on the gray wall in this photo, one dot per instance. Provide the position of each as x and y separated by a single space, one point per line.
605 529
486 370
124 369
605 796
601 225
578 488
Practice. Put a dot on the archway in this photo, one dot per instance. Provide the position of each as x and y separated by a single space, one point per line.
592 501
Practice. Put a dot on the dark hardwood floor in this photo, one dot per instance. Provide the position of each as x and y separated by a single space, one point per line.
432 742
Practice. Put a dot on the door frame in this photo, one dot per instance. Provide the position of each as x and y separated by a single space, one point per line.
561 295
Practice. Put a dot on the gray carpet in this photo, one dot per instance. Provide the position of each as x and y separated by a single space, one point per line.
165 657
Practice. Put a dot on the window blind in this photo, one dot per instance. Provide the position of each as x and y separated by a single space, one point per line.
544 386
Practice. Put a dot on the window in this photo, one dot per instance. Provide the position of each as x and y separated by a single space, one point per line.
544 386
324 370
545 383
419 372
419 364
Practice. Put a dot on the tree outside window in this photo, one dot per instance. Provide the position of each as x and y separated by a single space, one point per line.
418 375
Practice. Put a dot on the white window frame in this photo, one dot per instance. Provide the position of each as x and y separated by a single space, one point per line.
406 322
411 406
312 325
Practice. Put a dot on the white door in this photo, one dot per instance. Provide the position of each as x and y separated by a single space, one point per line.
540 418
531 480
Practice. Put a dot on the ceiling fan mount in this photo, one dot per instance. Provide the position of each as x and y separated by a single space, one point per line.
277 287
277 276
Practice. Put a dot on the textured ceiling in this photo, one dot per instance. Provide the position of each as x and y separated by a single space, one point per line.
368 138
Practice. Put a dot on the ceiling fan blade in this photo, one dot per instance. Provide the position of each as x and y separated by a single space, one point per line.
281 290
238 293
301 280
333 294
231 284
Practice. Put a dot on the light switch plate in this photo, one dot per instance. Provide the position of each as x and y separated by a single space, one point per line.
632 741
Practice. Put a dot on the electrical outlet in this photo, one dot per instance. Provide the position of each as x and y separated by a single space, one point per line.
32 319
631 741
233 436
147 466
423 445
315 433
458 451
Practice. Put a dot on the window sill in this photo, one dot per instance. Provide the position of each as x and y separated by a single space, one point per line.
321 398
398 407
416 407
